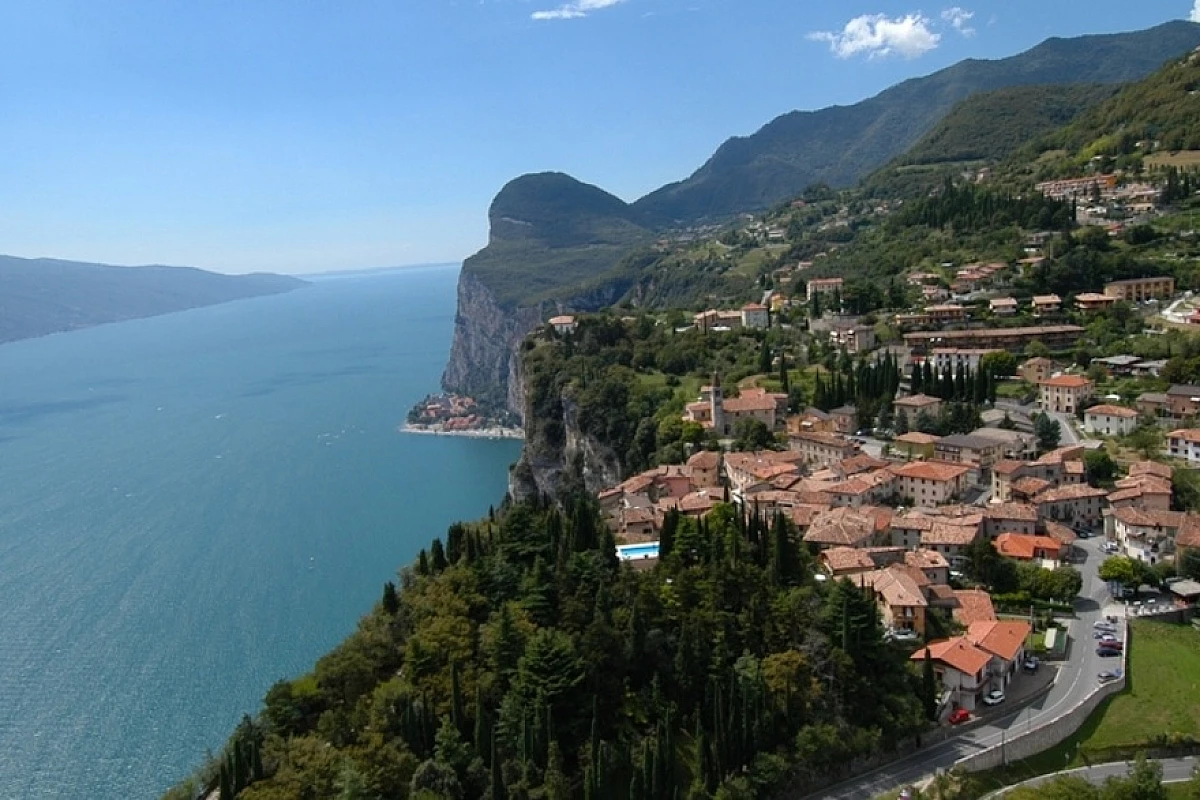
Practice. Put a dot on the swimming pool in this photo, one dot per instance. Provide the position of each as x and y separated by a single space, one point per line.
633 552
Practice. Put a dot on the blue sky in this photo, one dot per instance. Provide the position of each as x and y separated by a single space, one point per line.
244 135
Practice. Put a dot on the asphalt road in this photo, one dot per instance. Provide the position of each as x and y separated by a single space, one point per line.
1076 678
1175 770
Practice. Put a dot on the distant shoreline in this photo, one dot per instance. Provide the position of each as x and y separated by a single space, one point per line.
494 432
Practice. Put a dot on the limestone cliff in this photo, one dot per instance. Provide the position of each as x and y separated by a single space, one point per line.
552 241
483 359
548 464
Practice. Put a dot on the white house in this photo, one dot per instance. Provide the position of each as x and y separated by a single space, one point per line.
1185 444
1110 420
755 316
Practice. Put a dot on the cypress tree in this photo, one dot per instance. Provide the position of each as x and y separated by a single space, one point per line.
496 788
437 557
391 602
456 703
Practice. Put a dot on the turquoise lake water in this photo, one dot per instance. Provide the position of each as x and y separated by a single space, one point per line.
193 506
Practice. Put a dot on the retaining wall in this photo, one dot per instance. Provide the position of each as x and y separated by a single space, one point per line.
1046 735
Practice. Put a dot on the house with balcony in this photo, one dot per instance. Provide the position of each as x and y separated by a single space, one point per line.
1044 304
986 657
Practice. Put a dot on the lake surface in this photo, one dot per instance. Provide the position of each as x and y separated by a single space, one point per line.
196 505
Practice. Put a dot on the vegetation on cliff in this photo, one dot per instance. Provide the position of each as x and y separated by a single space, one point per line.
520 659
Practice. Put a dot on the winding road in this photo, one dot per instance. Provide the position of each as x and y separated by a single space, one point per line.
1076 679
1174 770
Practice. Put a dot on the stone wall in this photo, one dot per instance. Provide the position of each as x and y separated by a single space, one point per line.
1046 735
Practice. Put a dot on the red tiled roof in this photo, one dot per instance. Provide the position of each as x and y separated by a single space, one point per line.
957 653
1191 435
931 470
974 605
1067 382
1110 411
1024 547
1002 638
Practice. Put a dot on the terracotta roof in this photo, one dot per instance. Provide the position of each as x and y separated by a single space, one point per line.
1150 468
1191 435
752 403
916 437
925 559
847 559
861 463
943 533
1067 382
841 526
705 459
1039 361
828 439
565 319
1030 485
898 585
1150 519
1007 466
931 470
957 653
1071 452
1077 491
1111 411
1046 299
1189 532
1021 511
917 401
804 514
1060 533
1002 638
974 605
1022 546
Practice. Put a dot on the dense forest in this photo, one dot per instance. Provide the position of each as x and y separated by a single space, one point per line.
519 659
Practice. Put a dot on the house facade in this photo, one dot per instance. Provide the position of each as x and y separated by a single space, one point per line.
1064 393
1110 420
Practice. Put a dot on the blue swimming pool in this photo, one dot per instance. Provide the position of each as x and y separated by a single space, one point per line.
632 552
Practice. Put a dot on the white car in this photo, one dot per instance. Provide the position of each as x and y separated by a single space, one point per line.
993 698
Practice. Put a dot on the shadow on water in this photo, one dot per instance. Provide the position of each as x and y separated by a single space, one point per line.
15 413
291 380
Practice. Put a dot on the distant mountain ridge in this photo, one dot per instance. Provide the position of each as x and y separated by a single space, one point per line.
42 296
840 145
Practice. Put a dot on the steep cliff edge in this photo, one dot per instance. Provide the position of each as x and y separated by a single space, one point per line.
558 451
552 239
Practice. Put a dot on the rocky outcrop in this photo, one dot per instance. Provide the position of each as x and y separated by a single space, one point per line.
546 467
483 355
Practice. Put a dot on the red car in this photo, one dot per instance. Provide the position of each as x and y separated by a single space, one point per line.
959 715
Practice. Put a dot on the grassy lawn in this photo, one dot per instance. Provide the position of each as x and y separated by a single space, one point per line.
1164 685
1011 389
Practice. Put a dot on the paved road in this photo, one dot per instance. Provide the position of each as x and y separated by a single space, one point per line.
1175 770
1076 678
1069 437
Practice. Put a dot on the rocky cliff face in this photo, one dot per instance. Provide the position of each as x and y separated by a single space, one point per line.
546 467
483 355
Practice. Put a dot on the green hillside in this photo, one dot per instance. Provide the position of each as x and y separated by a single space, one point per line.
842 144
992 125
1156 116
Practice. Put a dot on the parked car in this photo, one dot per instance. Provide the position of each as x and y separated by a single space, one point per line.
1031 664
1104 625
1113 644
1105 636
1107 652
993 698
1109 675
959 716
903 635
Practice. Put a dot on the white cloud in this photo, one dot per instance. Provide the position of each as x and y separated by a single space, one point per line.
960 19
1195 15
877 35
575 9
